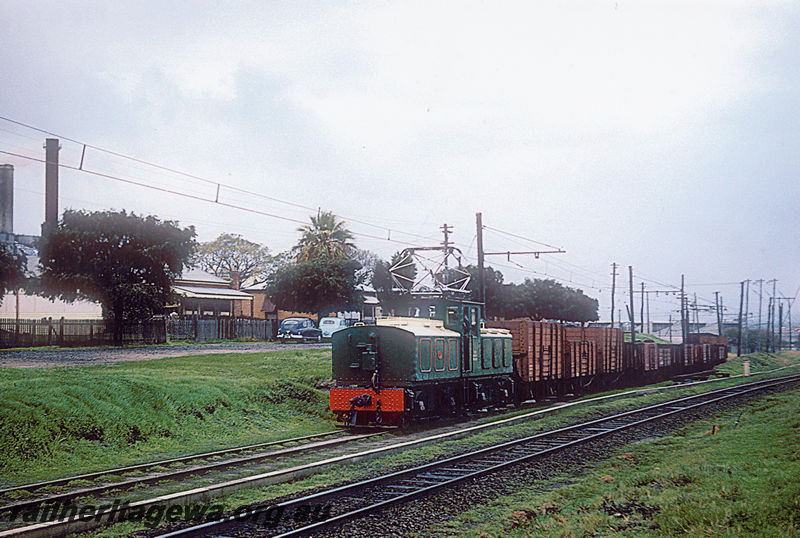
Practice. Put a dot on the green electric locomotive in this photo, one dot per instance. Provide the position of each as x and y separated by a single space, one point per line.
437 361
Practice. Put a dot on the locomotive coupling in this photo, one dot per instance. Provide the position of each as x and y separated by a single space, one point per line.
365 400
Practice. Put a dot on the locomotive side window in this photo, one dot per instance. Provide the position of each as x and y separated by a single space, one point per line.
432 312
473 320
425 355
413 312
438 357
486 356
452 354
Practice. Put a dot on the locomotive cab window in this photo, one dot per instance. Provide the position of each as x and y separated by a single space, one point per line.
432 312
452 316
413 312
473 320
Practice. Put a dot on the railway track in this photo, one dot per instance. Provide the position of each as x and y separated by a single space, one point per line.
345 503
17 499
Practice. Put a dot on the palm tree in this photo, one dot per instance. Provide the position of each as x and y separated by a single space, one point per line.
325 238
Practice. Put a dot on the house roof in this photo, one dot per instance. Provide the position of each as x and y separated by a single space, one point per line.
196 292
198 275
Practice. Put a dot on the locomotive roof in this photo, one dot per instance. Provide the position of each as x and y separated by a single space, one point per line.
418 326
434 327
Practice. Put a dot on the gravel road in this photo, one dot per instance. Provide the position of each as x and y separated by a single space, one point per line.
49 358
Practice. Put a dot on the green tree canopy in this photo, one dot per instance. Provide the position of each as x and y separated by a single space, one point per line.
548 299
124 261
231 252
12 269
326 237
320 286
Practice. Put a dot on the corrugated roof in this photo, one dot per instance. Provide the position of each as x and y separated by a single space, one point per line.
197 292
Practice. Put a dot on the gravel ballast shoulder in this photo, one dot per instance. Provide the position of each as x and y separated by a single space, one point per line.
50 358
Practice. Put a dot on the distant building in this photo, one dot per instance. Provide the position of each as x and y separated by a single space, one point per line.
19 304
202 294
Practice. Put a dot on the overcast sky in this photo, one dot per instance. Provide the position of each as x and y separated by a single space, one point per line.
663 135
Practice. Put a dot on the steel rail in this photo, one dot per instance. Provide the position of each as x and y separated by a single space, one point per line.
61 527
140 466
420 480
16 507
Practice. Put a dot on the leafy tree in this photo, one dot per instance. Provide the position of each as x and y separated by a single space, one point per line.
12 269
231 252
318 286
749 339
368 261
496 292
124 261
548 299
326 237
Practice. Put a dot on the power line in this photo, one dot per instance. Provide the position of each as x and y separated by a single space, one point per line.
520 237
202 179
191 196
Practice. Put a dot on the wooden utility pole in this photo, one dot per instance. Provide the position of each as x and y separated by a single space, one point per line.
747 315
741 303
760 301
770 346
482 254
719 314
613 289
641 312
630 310
481 276
780 326
446 230
684 326
772 332
670 328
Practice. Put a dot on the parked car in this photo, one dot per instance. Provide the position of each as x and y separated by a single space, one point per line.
299 330
328 326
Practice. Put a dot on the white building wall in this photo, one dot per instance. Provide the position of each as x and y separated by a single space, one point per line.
35 307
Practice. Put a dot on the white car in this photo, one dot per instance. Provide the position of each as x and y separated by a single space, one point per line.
331 325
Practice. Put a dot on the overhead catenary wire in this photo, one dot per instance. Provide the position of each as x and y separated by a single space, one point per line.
191 196
202 179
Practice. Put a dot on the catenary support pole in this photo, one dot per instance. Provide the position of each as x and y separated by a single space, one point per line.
631 310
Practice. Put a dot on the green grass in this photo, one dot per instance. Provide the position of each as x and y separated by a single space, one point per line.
759 362
60 421
643 337
348 472
731 475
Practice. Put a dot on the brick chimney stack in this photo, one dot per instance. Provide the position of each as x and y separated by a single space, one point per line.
7 198
235 283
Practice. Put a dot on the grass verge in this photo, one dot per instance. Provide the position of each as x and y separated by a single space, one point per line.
61 421
730 475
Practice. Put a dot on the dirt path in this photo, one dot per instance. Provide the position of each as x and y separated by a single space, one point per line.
49 358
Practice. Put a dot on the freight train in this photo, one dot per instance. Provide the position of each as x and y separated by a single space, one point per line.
444 360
